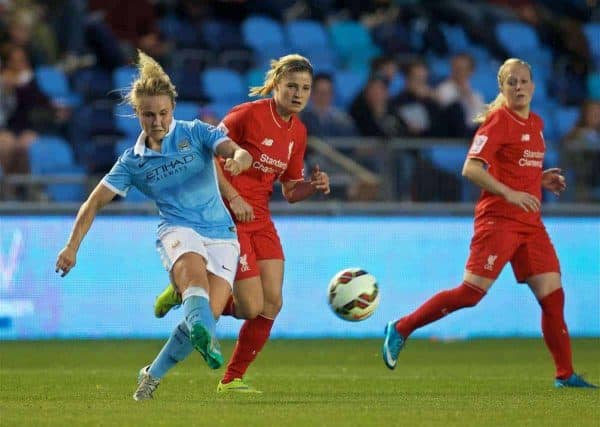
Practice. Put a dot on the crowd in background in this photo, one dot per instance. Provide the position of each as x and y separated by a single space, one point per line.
419 80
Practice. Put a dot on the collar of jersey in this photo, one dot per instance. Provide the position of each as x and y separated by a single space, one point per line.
140 145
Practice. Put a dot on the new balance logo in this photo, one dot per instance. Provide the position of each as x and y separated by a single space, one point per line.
267 141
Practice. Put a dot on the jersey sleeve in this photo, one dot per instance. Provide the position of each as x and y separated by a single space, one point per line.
295 168
488 138
118 179
207 135
234 123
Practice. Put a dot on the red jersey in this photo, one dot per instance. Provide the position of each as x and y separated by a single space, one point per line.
277 148
513 148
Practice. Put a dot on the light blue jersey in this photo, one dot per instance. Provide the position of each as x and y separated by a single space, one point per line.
181 179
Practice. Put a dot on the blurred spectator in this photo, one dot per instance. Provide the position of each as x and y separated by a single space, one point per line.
31 108
416 107
26 28
321 117
370 109
134 23
460 101
581 152
14 159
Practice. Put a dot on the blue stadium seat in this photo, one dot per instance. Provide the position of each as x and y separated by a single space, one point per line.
456 38
348 85
54 83
517 37
396 85
50 155
306 35
126 121
439 68
547 115
93 83
220 108
484 80
123 77
223 85
449 158
353 43
122 145
265 36
593 85
565 118
186 110
592 33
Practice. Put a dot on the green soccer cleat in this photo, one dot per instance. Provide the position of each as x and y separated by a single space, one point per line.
168 299
207 346
236 386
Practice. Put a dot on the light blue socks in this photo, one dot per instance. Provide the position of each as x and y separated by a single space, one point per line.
177 349
196 308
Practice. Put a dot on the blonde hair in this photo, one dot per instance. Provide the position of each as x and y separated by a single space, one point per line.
151 81
279 68
500 100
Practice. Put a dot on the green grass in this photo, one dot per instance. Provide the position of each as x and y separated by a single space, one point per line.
305 383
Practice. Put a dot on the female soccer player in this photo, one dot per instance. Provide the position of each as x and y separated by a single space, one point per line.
272 132
505 160
172 163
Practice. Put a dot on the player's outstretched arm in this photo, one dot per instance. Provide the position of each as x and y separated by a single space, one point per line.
85 217
242 210
295 191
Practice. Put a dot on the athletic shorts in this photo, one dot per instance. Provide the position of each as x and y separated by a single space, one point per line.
221 255
528 249
257 245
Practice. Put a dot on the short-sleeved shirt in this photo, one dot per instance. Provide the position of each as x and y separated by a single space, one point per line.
513 149
181 178
277 148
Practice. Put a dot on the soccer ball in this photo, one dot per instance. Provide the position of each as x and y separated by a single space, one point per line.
353 294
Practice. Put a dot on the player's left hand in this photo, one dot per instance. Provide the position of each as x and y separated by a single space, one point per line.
553 180
320 180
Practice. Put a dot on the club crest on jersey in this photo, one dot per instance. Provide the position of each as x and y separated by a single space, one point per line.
525 137
478 143
184 145
267 141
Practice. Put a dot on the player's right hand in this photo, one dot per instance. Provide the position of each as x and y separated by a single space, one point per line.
241 209
527 202
66 261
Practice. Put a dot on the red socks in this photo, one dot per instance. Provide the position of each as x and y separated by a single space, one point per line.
252 338
555 332
441 304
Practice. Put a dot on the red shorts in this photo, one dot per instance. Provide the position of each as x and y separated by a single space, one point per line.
257 245
528 249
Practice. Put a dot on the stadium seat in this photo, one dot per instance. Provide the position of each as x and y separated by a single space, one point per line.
592 33
353 43
122 145
517 37
593 86
223 85
179 31
50 155
484 80
123 77
186 110
126 121
449 158
265 36
220 108
439 68
306 35
565 118
456 38
221 34
93 83
348 85
54 83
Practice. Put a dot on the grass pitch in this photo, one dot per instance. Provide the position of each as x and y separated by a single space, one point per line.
306 383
